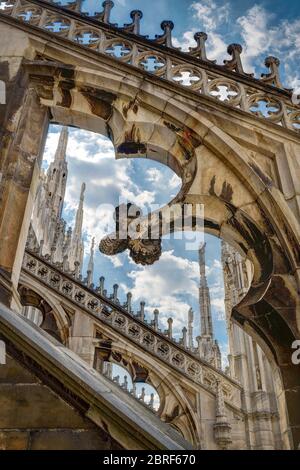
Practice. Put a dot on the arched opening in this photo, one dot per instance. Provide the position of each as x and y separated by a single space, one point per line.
141 391
80 185
33 314
40 313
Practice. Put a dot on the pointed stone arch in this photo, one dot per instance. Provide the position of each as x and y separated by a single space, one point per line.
32 295
171 394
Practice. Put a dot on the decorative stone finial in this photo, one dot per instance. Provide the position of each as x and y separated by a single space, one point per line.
68 240
108 370
30 240
166 38
199 345
151 403
235 64
155 322
53 250
170 328
65 264
125 383
41 247
77 269
101 285
117 379
143 395
200 35
136 14
184 337
133 391
134 27
115 293
200 50
104 16
234 49
272 78
191 316
141 313
128 302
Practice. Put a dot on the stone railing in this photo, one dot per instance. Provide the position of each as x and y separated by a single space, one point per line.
264 98
106 311
140 397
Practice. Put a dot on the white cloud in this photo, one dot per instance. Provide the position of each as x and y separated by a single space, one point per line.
216 48
256 35
219 308
116 261
211 14
91 159
153 175
175 183
167 284
168 272
169 307
214 268
163 286
160 182
261 39
51 145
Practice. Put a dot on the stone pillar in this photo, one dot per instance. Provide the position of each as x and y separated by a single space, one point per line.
274 327
262 421
82 341
222 427
290 397
24 123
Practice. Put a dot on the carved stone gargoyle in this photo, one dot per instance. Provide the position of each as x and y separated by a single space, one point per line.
145 251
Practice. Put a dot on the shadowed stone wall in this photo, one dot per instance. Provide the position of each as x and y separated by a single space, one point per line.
33 417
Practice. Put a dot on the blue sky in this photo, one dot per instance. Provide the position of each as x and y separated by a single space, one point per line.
264 28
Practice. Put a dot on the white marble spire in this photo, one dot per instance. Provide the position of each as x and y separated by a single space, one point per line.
77 246
50 197
204 297
90 269
190 328
60 154
57 176
79 214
